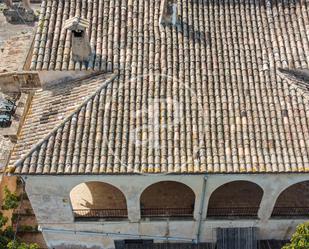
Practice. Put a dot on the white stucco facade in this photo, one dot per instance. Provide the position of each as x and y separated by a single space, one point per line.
50 199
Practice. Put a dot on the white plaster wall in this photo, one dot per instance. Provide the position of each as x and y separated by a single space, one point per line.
55 77
49 196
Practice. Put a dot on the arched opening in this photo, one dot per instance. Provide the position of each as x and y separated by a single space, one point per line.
98 200
167 199
235 200
293 202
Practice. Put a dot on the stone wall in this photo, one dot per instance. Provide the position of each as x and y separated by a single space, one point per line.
51 203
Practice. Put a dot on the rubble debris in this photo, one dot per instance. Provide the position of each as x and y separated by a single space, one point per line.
17 14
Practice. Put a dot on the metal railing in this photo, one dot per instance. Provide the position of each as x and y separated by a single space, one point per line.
7 109
290 212
100 213
167 212
233 212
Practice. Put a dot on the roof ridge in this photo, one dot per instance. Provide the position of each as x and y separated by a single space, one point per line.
38 144
297 79
298 76
74 80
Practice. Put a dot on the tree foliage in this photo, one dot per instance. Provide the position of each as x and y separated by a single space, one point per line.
17 245
11 200
7 241
300 239
3 220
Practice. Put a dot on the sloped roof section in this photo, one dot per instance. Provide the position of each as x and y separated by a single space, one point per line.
157 124
50 107
120 32
203 96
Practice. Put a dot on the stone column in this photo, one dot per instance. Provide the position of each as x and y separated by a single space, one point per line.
268 202
133 206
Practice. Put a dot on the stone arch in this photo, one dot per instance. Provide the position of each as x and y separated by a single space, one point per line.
98 200
167 199
293 202
235 200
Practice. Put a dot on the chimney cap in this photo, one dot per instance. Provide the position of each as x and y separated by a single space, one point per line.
76 23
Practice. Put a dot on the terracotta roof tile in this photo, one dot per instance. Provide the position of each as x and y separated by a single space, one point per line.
207 95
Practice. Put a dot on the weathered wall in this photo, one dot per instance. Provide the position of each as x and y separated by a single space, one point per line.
51 203
55 77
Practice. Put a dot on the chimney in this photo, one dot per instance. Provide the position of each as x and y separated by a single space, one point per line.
26 4
168 12
81 50
8 3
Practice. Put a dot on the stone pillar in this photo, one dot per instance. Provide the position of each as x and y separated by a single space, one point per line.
268 202
133 205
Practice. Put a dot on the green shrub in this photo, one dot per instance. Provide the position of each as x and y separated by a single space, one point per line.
27 228
3 221
14 218
11 200
17 245
8 232
300 239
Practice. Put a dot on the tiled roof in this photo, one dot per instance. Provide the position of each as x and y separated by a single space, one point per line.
51 107
204 96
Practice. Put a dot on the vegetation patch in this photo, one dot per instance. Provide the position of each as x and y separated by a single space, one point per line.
300 239
8 240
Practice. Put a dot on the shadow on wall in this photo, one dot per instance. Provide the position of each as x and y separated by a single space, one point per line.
97 195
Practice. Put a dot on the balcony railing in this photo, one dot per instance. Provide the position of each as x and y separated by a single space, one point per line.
230 212
290 212
100 213
167 212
